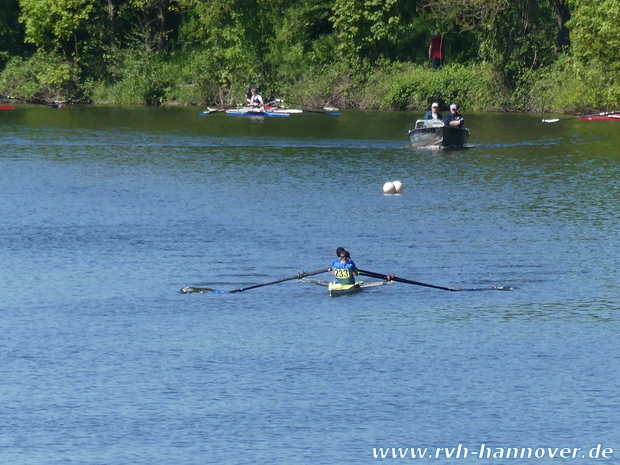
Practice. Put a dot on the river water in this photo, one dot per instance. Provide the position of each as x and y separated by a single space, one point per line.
108 212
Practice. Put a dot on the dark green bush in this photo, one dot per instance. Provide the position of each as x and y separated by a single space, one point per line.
414 87
568 86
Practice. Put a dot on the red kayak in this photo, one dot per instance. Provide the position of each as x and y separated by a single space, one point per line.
6 107
607 117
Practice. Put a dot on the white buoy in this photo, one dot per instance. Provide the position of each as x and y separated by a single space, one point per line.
388 188
398 186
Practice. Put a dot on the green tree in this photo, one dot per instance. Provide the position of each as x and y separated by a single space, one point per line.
516 36
11 31
370 30
54 24
234 38
520 39
594 32
563 16
44 76
302 34
158 21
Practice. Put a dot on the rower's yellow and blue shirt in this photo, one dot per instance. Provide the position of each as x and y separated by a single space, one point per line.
337 261
343 272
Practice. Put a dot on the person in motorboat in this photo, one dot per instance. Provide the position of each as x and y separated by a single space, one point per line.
433 113
454 118
254 99
345 270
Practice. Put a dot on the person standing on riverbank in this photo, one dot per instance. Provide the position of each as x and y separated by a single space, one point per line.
436 50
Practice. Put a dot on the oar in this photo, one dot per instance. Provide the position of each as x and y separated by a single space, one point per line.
555 120
328 111
332 111
188 290
417 283
217 110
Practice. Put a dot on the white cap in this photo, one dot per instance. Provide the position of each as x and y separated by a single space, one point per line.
435 104
453 106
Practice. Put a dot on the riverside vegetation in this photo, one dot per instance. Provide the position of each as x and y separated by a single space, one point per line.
525 55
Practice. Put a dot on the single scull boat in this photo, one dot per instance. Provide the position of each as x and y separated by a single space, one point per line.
336 289
249 111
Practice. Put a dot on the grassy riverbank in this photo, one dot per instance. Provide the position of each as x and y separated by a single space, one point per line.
561 88
184 79
529 56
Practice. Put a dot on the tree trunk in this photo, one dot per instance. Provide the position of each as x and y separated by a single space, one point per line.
162 23
561 10
112 22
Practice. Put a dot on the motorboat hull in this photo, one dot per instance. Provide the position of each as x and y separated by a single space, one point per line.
442 136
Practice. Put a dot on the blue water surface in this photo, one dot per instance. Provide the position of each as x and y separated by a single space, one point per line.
108 212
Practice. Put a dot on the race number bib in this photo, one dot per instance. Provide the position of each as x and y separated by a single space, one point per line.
342 273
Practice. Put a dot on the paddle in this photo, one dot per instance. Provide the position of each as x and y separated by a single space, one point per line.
188 290
555 120
417 283
332 111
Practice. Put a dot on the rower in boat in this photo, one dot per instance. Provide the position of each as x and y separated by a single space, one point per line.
345 270
254 99
336 260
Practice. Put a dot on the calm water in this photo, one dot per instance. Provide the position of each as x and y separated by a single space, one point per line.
108 212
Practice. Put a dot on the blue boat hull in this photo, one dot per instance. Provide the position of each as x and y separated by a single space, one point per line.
255 114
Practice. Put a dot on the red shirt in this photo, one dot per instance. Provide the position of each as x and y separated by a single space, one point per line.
437 47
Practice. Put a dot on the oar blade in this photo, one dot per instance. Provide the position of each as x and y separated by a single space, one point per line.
203 290
330 113
492 288
328 110
198 290
373 274
554 120
210 110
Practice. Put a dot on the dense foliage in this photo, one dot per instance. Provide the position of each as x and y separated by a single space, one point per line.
531 55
